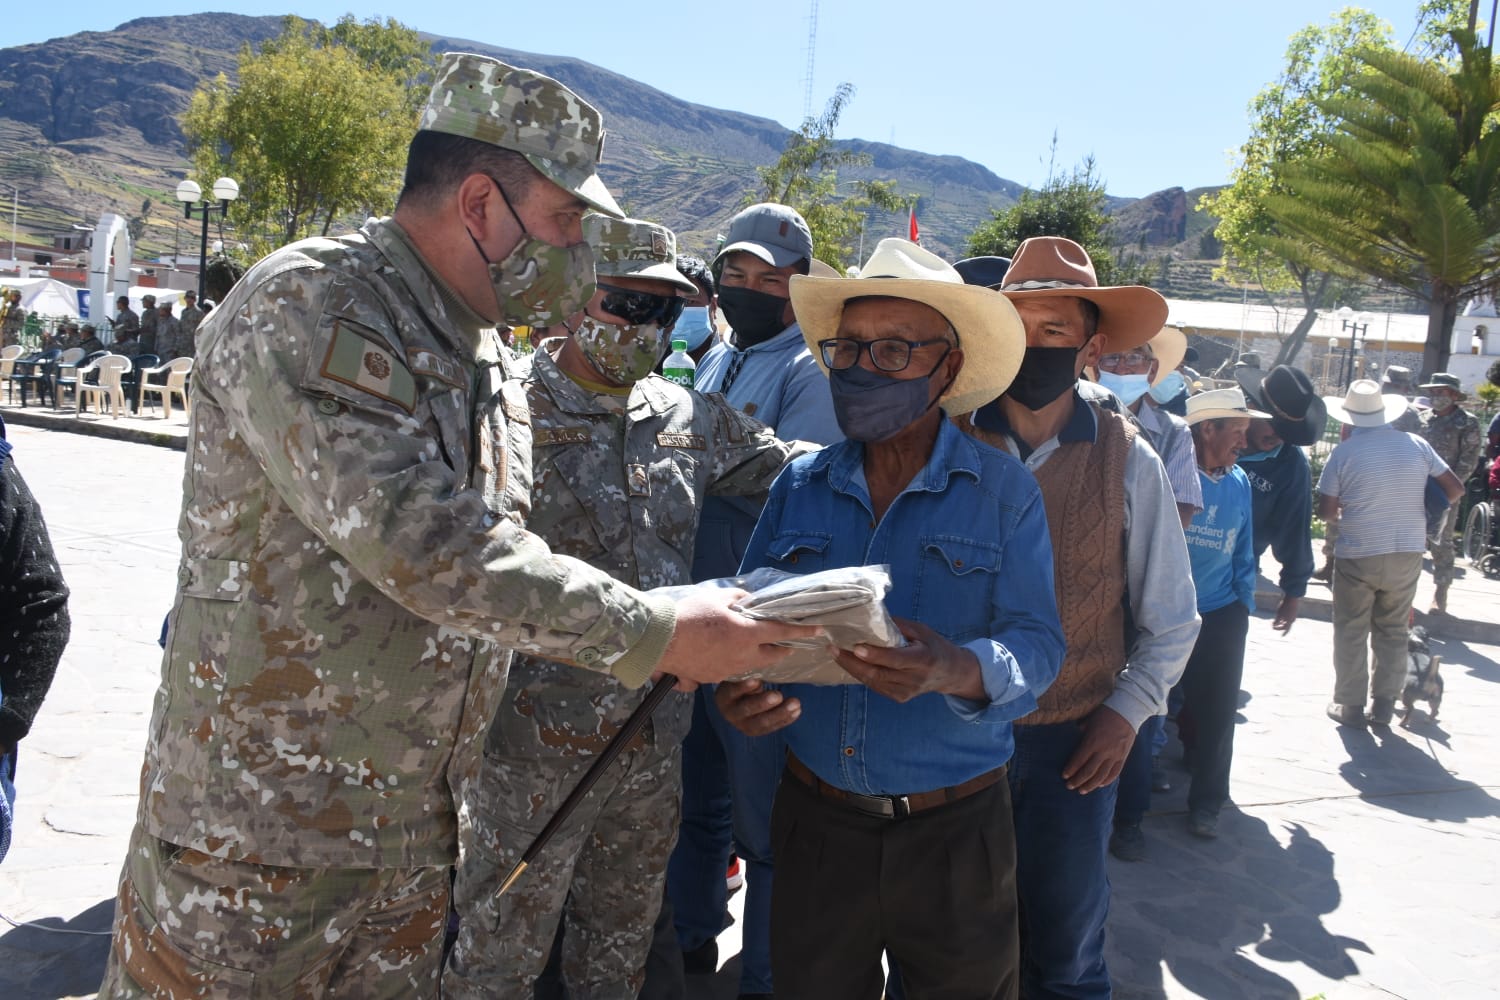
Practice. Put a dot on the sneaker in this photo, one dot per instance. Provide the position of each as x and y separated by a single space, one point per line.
1128 843
1382 711
1346 715
734 876
1202 823
702 960
1160 781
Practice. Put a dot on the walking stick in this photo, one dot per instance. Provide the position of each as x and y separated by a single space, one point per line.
591 777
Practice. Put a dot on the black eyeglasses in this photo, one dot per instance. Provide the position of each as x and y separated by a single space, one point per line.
889 355
640 308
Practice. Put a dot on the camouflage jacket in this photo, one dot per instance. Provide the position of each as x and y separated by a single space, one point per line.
187 329
621 487
354 568
1456 437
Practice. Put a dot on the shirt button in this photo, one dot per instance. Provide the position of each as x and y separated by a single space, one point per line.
958 564
848 751
588 656
872 524
792 558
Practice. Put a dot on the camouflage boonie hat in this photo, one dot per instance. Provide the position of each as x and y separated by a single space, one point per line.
633 248
556 130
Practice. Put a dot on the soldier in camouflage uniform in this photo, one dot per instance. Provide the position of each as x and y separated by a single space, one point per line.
187 324
621 462
354 567
168 333
1454 434
148 324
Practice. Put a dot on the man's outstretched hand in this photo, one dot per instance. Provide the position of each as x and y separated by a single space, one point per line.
713 642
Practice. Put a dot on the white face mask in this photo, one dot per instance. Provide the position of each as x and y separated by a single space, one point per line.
1128 387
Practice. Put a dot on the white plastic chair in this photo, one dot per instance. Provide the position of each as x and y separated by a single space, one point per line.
177 374
8 356
111 368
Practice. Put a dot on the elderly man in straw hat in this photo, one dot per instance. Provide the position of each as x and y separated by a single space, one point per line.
1222 549
1124 594
621 461
902 780
1373 487
354 569
1454 434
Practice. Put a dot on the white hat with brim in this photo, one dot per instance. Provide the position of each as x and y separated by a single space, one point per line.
1217 404
1168 347
1364 406
990 332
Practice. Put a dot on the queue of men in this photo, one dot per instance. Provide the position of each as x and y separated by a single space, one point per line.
421 588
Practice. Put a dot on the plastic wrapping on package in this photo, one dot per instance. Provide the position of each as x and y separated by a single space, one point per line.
848 603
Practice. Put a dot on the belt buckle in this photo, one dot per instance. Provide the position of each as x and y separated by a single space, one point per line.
900 806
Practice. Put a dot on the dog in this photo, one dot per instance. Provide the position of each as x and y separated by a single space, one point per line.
1423 683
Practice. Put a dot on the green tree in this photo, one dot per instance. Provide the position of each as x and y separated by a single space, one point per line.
1288 125
806 178
1407 190
1070 205
314 129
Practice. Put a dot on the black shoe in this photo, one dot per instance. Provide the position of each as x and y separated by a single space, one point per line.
1202 823
702 960
1128 843
1324 573
1382 711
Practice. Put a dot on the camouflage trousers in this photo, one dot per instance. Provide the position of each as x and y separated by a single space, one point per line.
602 876
1440 544
189 925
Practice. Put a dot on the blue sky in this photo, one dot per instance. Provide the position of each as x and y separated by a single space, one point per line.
1156 90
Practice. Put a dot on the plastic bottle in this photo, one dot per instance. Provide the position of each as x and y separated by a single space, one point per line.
679 366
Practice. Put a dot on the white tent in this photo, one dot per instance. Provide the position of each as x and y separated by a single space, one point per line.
46 296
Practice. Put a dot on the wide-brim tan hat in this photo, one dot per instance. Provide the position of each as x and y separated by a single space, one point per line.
990 333
1054 267
1365 406
1168 347
1217 404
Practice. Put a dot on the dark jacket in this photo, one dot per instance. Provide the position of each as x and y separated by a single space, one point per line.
1281 495
33 605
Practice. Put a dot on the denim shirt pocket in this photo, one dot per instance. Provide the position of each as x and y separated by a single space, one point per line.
799 552
955 584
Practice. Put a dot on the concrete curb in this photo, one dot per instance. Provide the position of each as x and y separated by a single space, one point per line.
1439 626
125 429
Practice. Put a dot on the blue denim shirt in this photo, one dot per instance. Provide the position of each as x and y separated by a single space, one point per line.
971 558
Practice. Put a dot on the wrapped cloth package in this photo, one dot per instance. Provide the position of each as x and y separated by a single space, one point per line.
847 603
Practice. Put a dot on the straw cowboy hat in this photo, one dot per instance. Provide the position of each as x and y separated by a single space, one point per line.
989 331
1218 403
1298 414
1168 347
1053 267
1364 406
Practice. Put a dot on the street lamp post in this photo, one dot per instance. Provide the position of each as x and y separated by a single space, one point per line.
1356 331
226 189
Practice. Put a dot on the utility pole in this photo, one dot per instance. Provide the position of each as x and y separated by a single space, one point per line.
812 53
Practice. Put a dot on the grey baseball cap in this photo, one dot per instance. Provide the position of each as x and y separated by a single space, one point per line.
776 234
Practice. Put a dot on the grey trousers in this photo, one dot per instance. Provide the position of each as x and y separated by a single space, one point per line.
1371 610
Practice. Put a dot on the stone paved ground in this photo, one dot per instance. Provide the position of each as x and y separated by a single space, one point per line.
1356 864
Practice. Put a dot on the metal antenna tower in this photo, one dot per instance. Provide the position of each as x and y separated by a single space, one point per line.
812 54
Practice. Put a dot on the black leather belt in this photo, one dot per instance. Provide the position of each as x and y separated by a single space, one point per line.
891 806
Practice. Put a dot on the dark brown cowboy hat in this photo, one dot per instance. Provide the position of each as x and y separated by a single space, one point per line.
1298 414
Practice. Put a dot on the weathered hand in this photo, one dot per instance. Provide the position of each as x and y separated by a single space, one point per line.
713 642
754 710
1286 614
928 663
1100 754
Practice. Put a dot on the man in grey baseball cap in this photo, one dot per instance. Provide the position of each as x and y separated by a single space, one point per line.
355 570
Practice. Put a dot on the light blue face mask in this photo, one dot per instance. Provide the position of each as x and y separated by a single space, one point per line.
1128 387
693 326
1261 456
1169 388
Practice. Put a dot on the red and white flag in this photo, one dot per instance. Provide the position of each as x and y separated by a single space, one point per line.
913 233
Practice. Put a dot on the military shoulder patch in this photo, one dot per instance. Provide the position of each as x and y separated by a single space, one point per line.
368 365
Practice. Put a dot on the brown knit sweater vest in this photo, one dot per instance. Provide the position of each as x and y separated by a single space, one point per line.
1083 490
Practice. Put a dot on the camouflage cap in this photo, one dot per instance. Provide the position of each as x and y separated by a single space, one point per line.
556 130
633 248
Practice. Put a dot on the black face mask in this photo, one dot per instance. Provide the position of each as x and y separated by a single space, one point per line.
1046 373
754 317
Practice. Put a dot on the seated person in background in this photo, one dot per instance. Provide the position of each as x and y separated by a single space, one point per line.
892 824
90 341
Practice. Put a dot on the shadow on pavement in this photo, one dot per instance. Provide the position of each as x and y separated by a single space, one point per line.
1459 655
1243 890
39 963
1390 771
